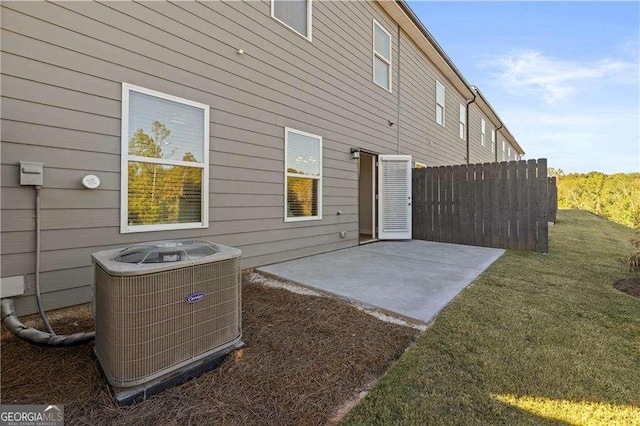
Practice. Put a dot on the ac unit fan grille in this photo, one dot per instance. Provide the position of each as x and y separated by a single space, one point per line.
144 326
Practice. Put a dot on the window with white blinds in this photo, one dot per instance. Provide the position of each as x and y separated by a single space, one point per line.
165 161
463 121
381 56
483 129
295 14
440 103
303 176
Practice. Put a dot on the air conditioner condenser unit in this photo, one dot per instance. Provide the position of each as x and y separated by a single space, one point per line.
162 306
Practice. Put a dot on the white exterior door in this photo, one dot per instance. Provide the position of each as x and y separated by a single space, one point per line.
394 197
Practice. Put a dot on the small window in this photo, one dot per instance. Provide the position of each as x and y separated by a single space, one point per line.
294 14
463 121
165 162
509 152
493 141
483 129
440 103
504 150
303 176
381 56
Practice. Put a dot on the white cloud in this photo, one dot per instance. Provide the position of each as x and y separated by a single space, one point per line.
531 72
579 141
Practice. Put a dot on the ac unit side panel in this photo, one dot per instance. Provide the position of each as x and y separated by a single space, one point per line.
147 328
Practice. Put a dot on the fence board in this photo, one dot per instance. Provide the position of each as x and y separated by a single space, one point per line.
503 204
513 208
543 221
496 216
477 214
553 199
455 238
522 205
428 203
531 213
486 204
448 219
464 203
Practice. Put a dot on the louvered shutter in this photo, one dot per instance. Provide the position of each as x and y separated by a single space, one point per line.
394 197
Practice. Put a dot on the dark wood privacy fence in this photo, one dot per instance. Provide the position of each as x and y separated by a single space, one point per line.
553 199
490 205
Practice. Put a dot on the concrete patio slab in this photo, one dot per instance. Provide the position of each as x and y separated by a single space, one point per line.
414 279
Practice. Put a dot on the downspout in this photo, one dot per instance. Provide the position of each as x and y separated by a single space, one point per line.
467 122
497 140
399 98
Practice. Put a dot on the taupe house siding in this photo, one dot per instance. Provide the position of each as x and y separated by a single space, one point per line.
427 141
477 152
63 65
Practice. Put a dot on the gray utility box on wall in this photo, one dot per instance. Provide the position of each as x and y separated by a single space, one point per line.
160 306
31 173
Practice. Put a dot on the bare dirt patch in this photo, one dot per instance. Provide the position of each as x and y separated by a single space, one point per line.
629 285
305 357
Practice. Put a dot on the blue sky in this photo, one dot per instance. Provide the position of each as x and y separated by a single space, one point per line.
563 76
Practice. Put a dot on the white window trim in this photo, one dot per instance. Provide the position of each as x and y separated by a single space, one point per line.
444 105
483 130
463 122
125 158
309 21
288 130
376 54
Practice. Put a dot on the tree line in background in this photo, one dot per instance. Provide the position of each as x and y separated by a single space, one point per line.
616 197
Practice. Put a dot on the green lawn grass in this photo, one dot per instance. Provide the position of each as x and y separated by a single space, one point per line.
537 339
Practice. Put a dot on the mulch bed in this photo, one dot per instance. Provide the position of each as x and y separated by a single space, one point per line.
629 285
305 357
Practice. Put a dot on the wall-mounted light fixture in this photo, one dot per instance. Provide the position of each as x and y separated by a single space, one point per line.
355 153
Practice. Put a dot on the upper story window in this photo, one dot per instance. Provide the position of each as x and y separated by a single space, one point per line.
303 176
493 141
509 152
463 121
483 129
504 150
164 163
294 14
381 56
440 103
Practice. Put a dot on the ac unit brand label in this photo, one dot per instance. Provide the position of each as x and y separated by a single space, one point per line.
194 297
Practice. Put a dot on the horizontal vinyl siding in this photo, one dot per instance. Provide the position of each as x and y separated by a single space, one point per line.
63 65
62 69
420 135
477 152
